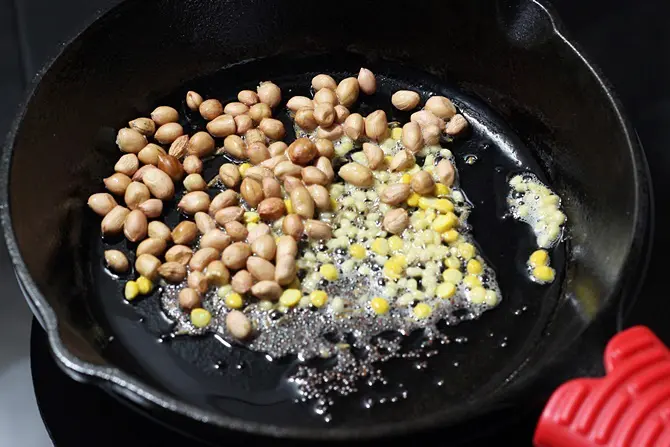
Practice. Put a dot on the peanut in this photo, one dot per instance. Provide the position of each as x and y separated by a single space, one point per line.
251 191
357 175
354 126
376 125
422 183
426 118
145 126
243 124
149 154
411 137
374 154
193 100
271 188
159 183
441 107
215 238
305 119
195 182
395 194
238 325
159 230
147 265
235 256
313 176
194 202
341 113
236 230
323 81
321 197
128 164
164 115
198 282
333 132
204 222
117 183
235 108
324 165
285 271
153 246
303 204
287 169
242 282
116 261
201 145
192 165
315 229
299 102
217 274
265 246
324 114
184 233
445 172
179 147
259 111
171 166
395 221
248 97
259 230
405 100
229 175
286 246
172 272
367 81
272 128
325 95
269 93
112 223
210 109
257 153
229 214
292 226
222 126
130 140
222 200
347 91
101 203
167 133
267 290
325 148
202 258
271 209
189 299
277 148
235 146
180 254
401 161
261 269
151 208
456 125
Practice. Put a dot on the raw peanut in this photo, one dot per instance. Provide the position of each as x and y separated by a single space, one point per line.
236 230
285 271
315 229
112 223
189 299
323 81
215 239
277 148
101 203
456 125
195 182
422 183
333 132
235 108
305 119
194 202
235 255
128 164
401 161
395 221
243 123
267 290
259 111
347 91
159 183
287 169
171 166
198 282
254 136
153 246
292 226
269 93
151 208
145 126
238 324
291 183
149 154
324 114
160 231
201 145
299 102
222 126
179 147
321 197
426 118
139 175
229 214
258 173
257 153
286 246
325 148
271 209
374 154
313 176
117 183
167 133
235 146
116 261
431 134
204 222
376 125
136 193
192 165
222 200
411 137
367 81
354 126
405 100
184 233
229 175
325 96
163 115
271 188
357 175
172 272
259 230
341 113
261 269
303 204
193 100
202 258
180 254
445 172
217 274
147 265
441 107
272 128
324 165
130 140
264 246
248 97
395 194
210 109
251 191
242 282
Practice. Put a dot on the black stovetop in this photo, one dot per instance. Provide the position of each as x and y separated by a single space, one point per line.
630 42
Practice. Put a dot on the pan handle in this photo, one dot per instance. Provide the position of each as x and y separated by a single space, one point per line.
629 407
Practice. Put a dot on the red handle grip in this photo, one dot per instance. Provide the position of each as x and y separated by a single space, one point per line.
629 407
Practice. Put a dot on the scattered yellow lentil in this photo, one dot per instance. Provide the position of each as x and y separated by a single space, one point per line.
290 297
400 259
396 133
251 217
450 236
425 202
443 223
295 284
200 317
318 298
466 250
392 269
422 310
491 298
379 305
477 295
452 275
413 199
289 206
544 273
329 271
243 168
446 290
333 204
539 257
357 251
452 263
474 267
443 205
234 300
144 285
380 246
441 190
472 281
131 290
406 178
395 243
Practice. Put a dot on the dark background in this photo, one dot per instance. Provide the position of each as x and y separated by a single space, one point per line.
628 40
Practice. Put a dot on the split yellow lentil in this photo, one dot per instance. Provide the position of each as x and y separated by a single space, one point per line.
131 290
290 297
329 272
234 300
422 310
318 298
379 305
144 285
200 317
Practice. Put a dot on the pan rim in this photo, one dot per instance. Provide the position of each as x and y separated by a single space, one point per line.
118 382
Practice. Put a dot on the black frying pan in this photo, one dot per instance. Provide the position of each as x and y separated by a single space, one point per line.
535 103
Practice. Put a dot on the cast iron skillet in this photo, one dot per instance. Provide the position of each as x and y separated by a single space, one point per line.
534 102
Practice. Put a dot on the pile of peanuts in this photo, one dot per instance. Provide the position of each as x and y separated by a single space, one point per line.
245 239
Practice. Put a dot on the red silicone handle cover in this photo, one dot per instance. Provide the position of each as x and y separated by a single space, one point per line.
629 407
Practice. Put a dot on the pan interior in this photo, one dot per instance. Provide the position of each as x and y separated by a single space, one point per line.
483 354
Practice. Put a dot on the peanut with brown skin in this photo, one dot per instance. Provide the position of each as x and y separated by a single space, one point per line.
251 191
147 265
159 183
315 229
238 324
321 197
159 230
117 183
272 128
171 166
405 100
164 114
376 125
145 126
286 246
248 97
445 172
180 254
222 126
194 202
153 246
204 222
235 146
260 269
151 208
341 113
201 145
215 238
257 153
422 183
395 194
374 154
367 81
184 233
167 133
411 137
243 123
101 203
235 256
254 136
258 173
217 274
189 299
265 247
242 282
149 154
259 230
172 272
303 204
116 261
299 102
325 148
193 100
271 209
395 221
293 226
271 188
324 165
354 126
291 183
192 165
332 133
130 140
222 200
357 175
401 161
202 258
347 91
229 175
210 109
285 272
128 164
324 114
229 214
195 182
179 147
323 81
235 108
305 119
277 148
441 107
236 230
456 125
269 93
259 111
286 169
198 282
267 290
112 223
312 175
136 193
